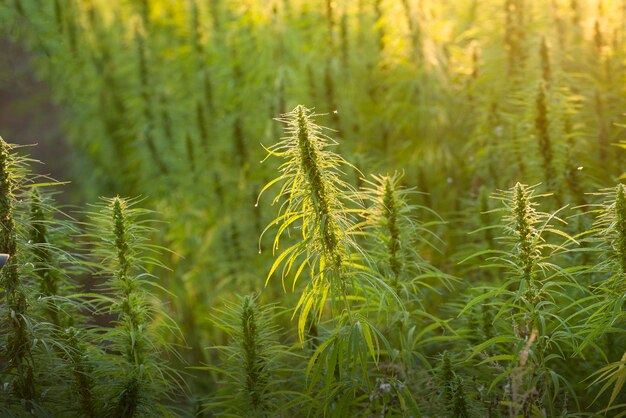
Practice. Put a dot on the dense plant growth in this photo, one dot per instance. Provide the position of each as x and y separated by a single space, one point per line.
453 245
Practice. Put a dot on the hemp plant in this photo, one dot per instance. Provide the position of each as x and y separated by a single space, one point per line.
609 236
35 306
253 375
391 221
49 280
396 239
316 201
17 361
82 359
605 309
528 300
52 254
139 380
324 208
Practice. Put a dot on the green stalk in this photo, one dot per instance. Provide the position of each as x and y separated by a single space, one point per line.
620 225
58 15
546 71
144 80
140 380
309 158
254 365
314 196
390 203
48 279
131 315
525 234
542 129
459 403
202 126
446 378
414 32
190 152
82 372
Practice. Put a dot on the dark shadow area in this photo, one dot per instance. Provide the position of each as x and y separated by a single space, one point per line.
28 115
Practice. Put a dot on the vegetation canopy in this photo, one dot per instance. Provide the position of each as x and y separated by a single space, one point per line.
369 208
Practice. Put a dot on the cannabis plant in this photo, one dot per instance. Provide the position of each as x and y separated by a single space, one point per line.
604 311
20 353
316 201
391 221
255 376
138 378
529 298
323 207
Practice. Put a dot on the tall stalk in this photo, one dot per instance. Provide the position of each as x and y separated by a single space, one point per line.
141 378
16 351
253 361
315 197
42 257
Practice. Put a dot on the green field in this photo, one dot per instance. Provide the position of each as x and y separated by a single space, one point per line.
290 208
